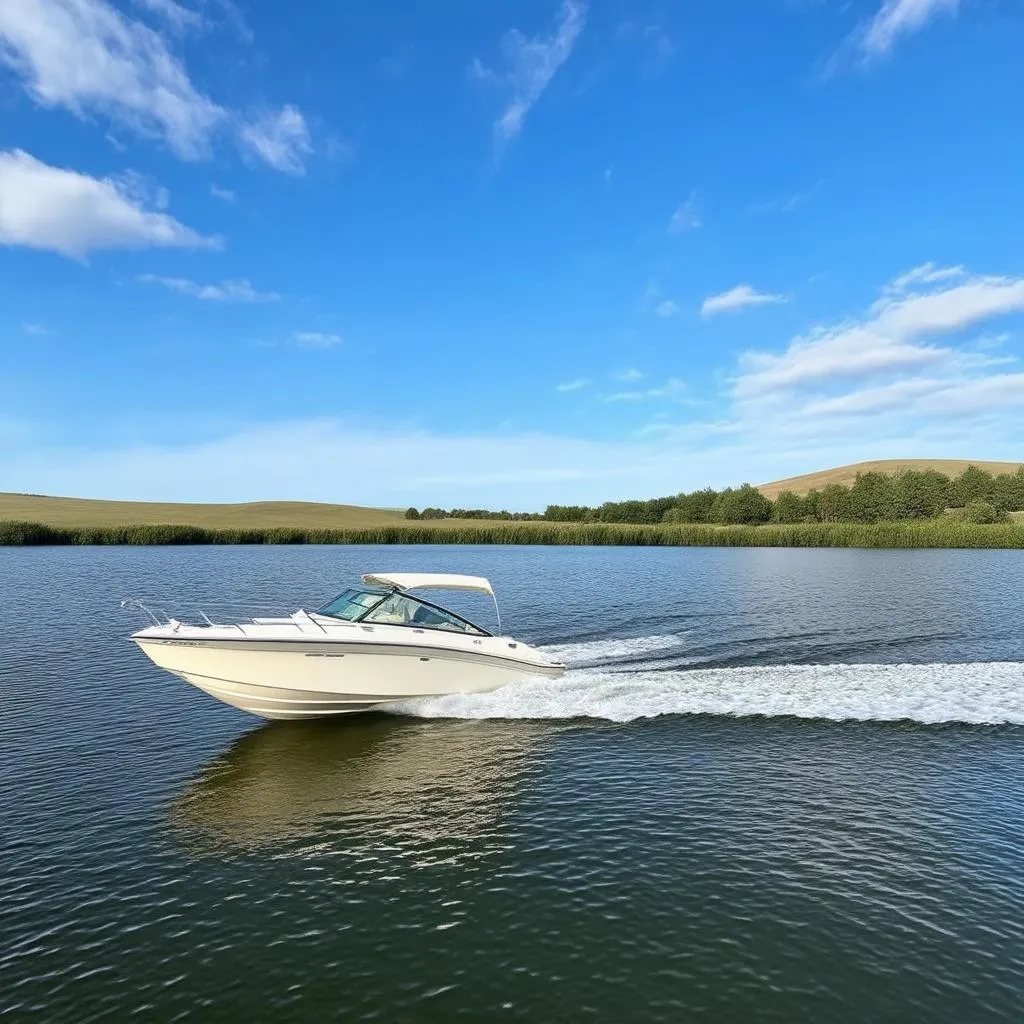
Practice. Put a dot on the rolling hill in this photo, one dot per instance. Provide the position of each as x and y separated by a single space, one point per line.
82 512
847 474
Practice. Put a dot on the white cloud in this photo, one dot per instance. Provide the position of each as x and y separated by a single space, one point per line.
927 273
926 396
383 465
315 339
898 18
627 375
892 338
532 63
227 291
38 330
280 138
877 37
673 389
178 17
737 298
574 385
784 204
667 308
226 194
88 57
44 207
84 55
686 217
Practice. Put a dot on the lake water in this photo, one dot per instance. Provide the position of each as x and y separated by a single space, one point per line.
775 785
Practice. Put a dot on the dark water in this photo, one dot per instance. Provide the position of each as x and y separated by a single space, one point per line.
777 785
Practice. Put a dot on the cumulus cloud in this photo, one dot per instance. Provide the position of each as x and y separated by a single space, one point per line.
227 291
88 57
532 64
84 55
737 298
63 211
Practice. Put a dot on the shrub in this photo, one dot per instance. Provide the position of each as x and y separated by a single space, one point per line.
790 508
744 505
412 513
981 512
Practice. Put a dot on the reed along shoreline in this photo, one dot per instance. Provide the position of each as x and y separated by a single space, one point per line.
920 534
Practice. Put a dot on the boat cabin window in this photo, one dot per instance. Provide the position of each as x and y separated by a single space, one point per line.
353 604
402 610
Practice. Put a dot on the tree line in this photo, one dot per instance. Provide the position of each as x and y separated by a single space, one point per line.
973 496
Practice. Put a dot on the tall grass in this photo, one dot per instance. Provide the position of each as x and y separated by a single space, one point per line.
928 534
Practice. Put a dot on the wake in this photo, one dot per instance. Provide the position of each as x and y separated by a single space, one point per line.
989 693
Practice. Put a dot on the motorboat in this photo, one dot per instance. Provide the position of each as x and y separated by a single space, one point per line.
370 646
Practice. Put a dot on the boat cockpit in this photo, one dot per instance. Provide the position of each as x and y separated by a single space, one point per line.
395 608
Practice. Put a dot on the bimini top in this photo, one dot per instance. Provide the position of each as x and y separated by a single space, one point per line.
418 580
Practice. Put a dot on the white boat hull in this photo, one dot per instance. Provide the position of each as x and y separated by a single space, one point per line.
295 680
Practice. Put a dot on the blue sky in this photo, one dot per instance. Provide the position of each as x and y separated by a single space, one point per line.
499 254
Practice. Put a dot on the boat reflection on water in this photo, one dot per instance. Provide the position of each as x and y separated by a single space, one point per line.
432 789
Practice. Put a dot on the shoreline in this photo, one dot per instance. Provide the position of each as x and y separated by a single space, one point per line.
895 535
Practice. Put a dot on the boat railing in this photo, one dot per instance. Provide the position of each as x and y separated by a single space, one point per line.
229 613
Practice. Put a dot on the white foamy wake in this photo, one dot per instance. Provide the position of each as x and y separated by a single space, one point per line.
980 693
585 652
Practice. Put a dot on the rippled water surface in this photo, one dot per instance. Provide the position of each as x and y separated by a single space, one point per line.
774 785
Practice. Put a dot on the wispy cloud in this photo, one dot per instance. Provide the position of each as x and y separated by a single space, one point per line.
44 207
227 291
893 338
653 38
667 308
90 58
177 16
737 298
37 330
632 373
532 63
280 138
783 204
893 21
898 18
687 216
315 339
673 389
226 194
927 273
574 385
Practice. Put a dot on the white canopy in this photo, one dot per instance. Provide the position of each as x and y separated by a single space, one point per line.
417 580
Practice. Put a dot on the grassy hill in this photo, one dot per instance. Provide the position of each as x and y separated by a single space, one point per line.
847 474
86 512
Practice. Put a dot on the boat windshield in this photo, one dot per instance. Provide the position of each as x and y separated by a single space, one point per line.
403 610
353 604
358 604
